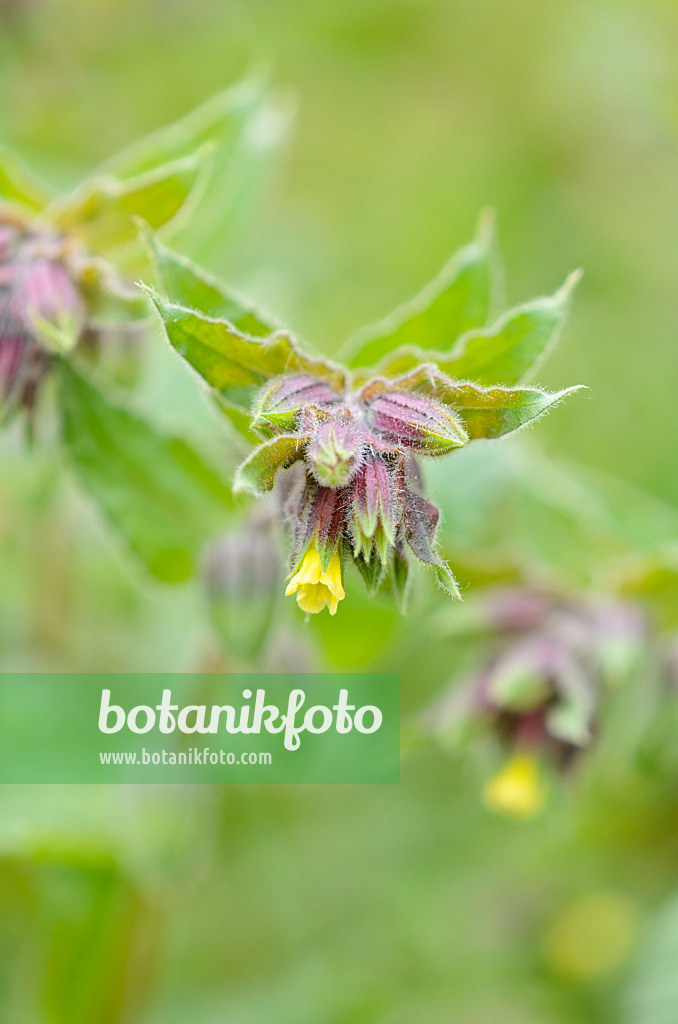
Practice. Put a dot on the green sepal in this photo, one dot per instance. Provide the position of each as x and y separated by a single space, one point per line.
446 579
165 501
257 473
515 686
400 574
460 298
372 571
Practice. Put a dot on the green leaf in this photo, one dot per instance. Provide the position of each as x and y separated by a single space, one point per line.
484 412
458 299
19 185
221 119
101 211
165 501
257 473
234 185
510 352
514 349
186 284
233 363
494 412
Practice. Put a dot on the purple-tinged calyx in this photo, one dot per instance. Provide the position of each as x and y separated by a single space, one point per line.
374 509
279 404
44 298
413 422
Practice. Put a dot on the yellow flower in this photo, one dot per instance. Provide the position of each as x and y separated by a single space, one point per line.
314 588
516 790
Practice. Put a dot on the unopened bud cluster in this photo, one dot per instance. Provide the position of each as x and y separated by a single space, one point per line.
354 488
40 303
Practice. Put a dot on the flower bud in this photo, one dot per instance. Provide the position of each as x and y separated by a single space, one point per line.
278 405
523 677
335 452
412 421
373 508
46 301
241 574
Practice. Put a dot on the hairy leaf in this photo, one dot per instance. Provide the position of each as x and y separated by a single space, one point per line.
485 412
510 352
257 473
186 284
517 345
494 412
162 497
233 363
458 299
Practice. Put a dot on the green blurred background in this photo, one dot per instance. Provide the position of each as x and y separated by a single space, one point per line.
365 904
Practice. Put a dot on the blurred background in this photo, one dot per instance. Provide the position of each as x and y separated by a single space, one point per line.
366 904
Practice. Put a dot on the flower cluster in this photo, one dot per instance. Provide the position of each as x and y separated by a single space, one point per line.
354 490
41 307
540 691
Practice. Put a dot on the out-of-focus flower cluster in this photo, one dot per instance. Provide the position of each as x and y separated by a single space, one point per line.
44 309
539 692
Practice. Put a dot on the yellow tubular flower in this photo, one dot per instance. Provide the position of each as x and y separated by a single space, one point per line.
314 588
516 790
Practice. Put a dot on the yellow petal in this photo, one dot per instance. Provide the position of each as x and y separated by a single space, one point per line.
516 790
314 588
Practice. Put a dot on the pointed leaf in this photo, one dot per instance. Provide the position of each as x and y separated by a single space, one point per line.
236 364
514 349
222 119
235 184
485 412
458 299
245 128
186 284
494 412
257 473
510 352
101 212
160 495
